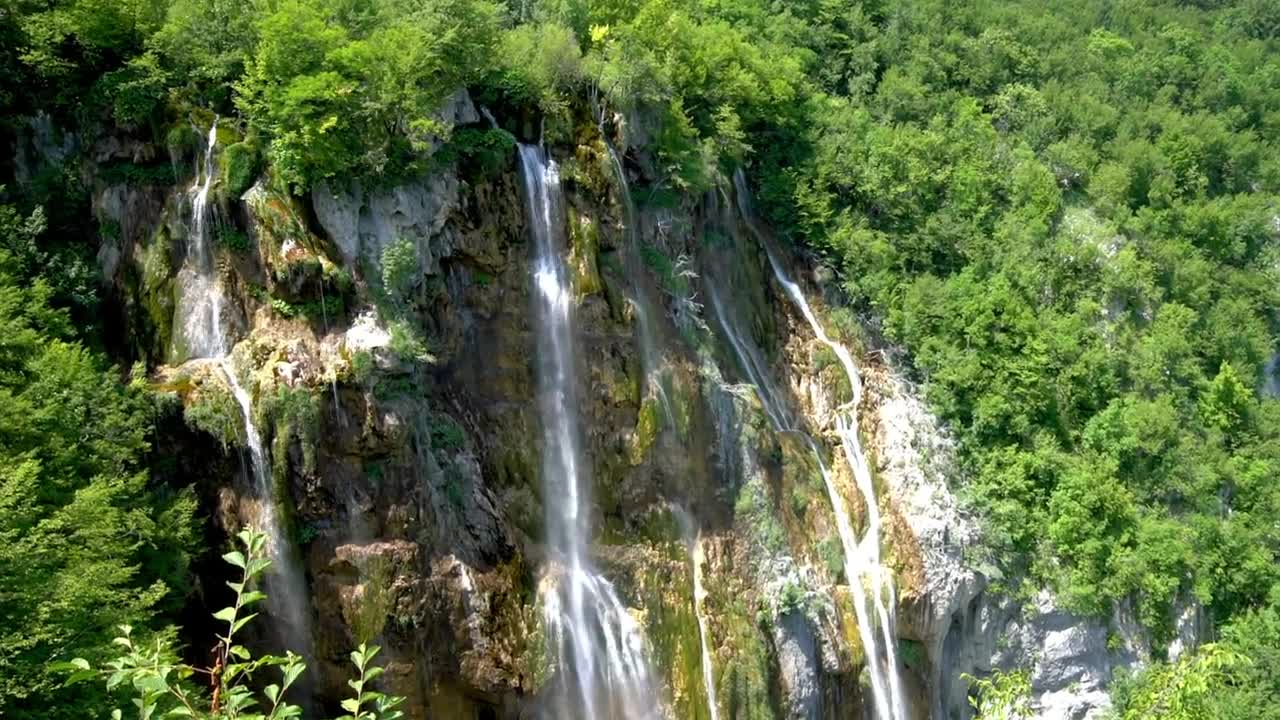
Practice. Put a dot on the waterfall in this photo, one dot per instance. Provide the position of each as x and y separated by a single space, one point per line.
640 302
286 584
200 310
602 668
868 579
200 297
693 541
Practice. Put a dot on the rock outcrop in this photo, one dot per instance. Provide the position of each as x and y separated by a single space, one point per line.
385 338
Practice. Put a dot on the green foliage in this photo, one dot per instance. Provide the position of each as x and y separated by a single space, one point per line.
540 65
446 433
407 343
233 238
130 173
1255 686
86 542
1188 689
1003 696
401 270
362 366
241 164
159 685
214 410
340 94
489 149
292 412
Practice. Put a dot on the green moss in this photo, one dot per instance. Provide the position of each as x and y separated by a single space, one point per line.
648 425
375 601
212 409
665 590
240 163
584 238
157 286
742 668
292 412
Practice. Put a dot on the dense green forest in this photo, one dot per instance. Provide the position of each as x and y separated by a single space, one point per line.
1065 214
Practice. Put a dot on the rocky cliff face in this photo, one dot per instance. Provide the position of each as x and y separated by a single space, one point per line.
384 334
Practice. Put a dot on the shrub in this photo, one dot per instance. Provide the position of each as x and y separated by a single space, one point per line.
158 682
213 410
241 164
233 238
407 344
400 269
446 433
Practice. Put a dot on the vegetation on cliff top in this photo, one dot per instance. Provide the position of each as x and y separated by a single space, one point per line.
1066 214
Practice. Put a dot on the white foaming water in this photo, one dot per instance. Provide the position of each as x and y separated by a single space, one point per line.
286 585
602 671
200 296
870 582
200 311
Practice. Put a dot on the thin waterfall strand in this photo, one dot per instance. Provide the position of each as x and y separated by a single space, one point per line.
862 557
602 668
649 356
200 312
693 543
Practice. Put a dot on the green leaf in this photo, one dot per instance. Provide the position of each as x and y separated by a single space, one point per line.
351 705
291 672
272 692
235 557
241 622
226 614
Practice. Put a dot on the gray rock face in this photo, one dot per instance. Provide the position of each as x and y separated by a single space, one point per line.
363 223
966 627
799 665
40 144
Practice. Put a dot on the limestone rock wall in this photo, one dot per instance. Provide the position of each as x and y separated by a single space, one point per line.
398 400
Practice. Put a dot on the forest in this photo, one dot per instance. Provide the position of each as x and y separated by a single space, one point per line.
1064 216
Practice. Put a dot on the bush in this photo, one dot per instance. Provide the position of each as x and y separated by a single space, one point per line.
241 164
446 433
158 683
214 410
233 238
401 269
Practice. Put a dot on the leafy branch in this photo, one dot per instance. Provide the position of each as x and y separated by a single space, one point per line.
162 687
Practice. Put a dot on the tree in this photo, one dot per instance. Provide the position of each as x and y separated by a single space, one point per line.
85 542
1184 690
1003 696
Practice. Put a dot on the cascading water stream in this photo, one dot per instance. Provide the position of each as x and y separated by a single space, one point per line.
200 308
862 557
693 541
649 356
602 669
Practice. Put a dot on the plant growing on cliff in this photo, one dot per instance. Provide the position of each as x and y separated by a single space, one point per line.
401 270
294 412
214 410
1189 689
1002 696
159 685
